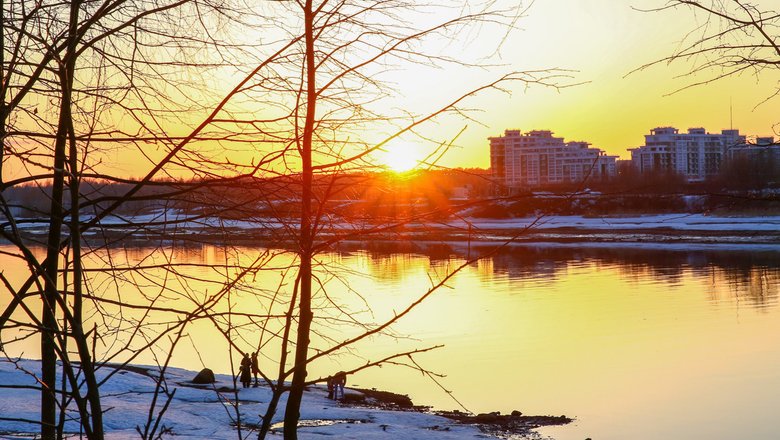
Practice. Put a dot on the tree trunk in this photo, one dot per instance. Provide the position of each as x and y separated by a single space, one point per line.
49 319
265 427
305 316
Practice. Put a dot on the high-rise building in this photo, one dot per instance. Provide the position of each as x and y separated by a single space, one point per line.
696 155
536 158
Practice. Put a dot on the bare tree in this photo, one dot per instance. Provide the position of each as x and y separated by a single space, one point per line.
310 103
69 69
731 38
327 94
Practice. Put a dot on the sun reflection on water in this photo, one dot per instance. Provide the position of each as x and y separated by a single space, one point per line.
597 334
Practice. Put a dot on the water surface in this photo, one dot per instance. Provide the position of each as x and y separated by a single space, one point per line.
635 344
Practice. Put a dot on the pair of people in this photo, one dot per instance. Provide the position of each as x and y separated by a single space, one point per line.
336 385
249 367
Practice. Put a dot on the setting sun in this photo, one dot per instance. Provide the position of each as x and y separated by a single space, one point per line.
400 156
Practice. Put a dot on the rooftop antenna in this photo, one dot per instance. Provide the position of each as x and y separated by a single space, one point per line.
731 112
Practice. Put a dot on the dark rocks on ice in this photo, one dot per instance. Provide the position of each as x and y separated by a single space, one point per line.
204 376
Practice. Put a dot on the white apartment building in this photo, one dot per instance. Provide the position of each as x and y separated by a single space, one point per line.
537 158
697 155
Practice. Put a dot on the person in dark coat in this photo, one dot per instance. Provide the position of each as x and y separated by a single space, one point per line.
246 371
330 387
255 367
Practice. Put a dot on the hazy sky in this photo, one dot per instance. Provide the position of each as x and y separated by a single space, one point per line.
597 42
604 40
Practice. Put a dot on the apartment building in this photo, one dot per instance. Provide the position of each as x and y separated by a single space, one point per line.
765 149
537 158
696 155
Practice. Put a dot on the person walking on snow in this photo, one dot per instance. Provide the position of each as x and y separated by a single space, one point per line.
255 367
246 373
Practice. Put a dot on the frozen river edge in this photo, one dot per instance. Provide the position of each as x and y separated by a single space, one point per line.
681 231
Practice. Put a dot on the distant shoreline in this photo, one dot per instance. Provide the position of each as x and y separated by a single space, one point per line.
669 231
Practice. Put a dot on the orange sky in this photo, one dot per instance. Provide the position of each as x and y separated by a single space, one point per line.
597 42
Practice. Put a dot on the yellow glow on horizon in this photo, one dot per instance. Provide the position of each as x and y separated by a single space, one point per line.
400 157
598 44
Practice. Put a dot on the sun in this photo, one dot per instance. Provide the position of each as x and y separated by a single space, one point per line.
400 157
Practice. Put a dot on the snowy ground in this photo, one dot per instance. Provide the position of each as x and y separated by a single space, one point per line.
678 221
680 231
681 222
207 414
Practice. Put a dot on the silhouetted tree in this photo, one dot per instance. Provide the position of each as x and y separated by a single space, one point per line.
309 106
324 105
70 71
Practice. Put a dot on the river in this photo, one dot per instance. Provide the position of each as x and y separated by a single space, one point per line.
634 343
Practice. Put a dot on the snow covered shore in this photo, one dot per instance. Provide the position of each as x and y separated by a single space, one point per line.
681 230
207 412
677 221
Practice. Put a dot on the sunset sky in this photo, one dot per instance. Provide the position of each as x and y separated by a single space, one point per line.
597 47
603 41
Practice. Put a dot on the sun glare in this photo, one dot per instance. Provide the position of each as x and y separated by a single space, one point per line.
400 157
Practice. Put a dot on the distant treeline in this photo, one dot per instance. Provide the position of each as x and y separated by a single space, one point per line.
605 204
389 196
242 197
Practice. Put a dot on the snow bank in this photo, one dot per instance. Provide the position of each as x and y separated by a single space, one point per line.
205 413
682 222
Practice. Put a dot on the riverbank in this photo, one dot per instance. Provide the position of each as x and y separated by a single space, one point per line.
667 230
217 411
